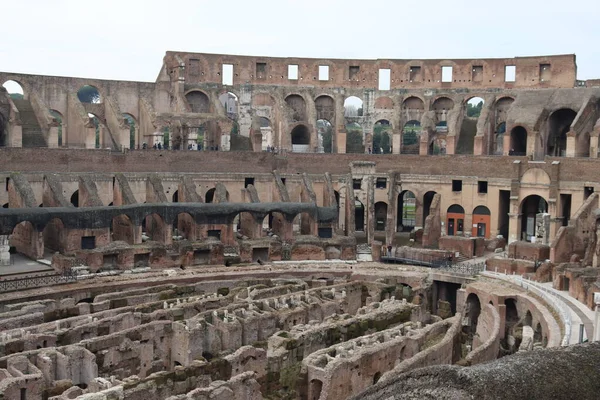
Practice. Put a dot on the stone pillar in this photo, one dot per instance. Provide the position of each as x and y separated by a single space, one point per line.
450 144
4 251
571 144
531 139
506 143
478 146
594 145
514 227
370 217
396 141
596 335
341 140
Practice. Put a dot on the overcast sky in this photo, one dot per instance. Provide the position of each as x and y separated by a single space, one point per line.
127 39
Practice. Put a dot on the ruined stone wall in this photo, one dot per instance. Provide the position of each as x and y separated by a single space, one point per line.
201 68
486 341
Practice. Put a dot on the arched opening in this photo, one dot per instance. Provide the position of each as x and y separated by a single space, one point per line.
54 235
210 195
501 109
353 107
441 108
533 227
130 121
437 144
528 319
427 200
468 129
75 198
537 333
354 138
481 222
26 240
359 215
455 220
186 227
316 386
198 102
122 229
296 108
101 136
14 90
512 319
325 106
559 125
382 137
300 139
267 133
413 108
411 137
380 215
230 104
58 120
175 197
472 311
325 134
518 141
244 223
89 94
155 228
407 211
376 377
5 205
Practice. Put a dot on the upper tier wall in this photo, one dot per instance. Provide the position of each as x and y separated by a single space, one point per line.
559 71
144 161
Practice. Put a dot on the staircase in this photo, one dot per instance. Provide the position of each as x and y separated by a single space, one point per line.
32 133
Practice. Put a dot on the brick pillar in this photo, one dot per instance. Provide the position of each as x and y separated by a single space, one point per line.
571 144
370 217
478 146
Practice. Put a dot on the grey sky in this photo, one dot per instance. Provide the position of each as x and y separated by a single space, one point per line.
127 39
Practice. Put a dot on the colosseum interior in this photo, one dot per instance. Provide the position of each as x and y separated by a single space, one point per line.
255 228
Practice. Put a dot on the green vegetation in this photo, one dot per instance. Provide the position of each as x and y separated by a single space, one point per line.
131 123
354 139
474 111
16 96
59 119
382 139
88 94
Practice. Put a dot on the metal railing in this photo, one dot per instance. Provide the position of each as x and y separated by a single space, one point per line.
441 264
549 295
8 285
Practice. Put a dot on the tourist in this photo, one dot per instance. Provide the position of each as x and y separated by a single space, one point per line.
370 150
159 146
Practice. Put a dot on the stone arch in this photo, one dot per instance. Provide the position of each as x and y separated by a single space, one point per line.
472 312
359 215
89 94
407 211
518 141
411 137
300 138
559 124
266 131
296 108
123 229
209 196
15 89
53 234
131 121
325 106
58 122
353 107
325 136
384 103
75 198
531 226
455 220
427 200
382 137
186 226
26 240
230 103
316 386
413 103
198 101
155 228
473 107
481 222
246 224
380 215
